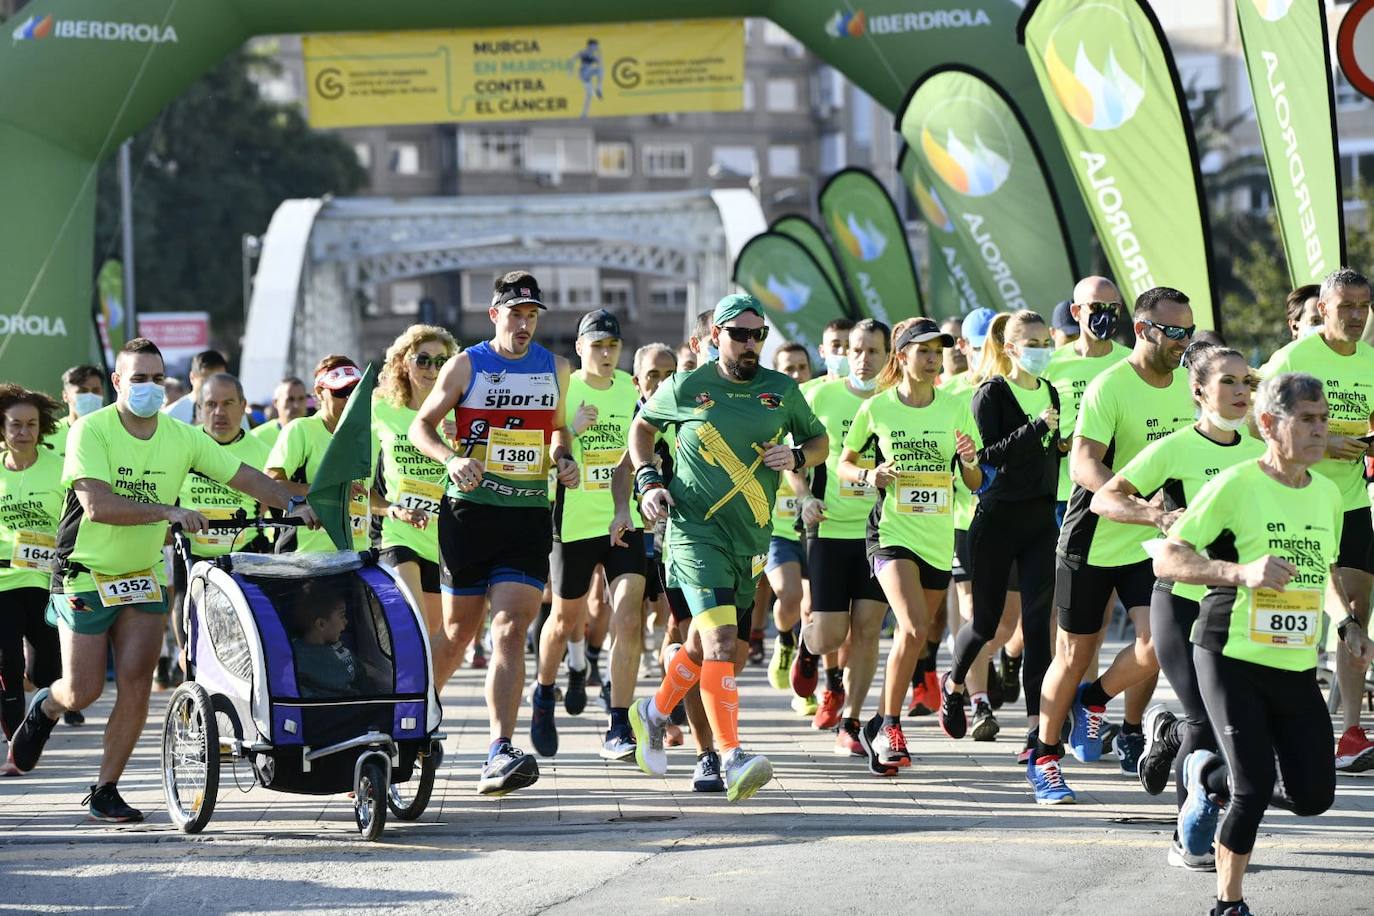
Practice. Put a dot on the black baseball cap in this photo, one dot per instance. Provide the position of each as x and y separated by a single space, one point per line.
921 330
599 325
520 294
1062 319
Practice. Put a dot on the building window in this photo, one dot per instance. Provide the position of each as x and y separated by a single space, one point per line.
832 153
1357 170
667 297
613 160
492 150
778 37
551 154
1347 96
781 95
748 95
405 297
784 161
363 150
667 160
737 161
403 158
616 295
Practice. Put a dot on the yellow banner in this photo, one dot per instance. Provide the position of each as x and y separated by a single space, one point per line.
513 74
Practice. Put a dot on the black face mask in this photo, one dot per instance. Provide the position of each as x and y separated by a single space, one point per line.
1103 324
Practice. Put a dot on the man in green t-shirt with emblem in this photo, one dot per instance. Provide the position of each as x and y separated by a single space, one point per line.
732 417
125 468
601 403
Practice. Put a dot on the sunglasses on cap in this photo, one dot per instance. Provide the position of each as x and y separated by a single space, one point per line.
740 335
425 361
1172 331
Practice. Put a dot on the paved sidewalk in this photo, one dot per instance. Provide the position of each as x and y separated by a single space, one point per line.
959 833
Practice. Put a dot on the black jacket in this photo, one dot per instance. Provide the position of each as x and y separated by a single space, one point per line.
1027 463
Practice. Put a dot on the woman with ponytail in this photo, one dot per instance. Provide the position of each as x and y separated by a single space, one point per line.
1017 414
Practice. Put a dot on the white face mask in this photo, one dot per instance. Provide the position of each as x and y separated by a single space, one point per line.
146 398
862 384
1308 330
1034 359
86 402
1221 422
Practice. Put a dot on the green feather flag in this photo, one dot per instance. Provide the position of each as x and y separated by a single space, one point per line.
348 458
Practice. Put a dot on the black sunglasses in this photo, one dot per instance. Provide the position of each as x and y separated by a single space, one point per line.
1172 331
740 335
343 393
1099 306
425 361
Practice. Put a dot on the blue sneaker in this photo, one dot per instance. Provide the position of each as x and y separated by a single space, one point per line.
543 727
706 777
1048 782
1085 728
1197 818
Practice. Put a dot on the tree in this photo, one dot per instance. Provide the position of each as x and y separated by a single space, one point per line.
215 165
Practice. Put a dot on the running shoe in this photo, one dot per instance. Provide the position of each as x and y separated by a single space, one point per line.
706 777
1108 731
603 697
1009 670
756 647
925 696
575 697
806 707
780 664
506 771
1048 782
26 745
594 673
994 686
1023 756
1355 752
985 725
543 728
74 718
744 774
1085 728
1161 747
805 672
885 747
479 657
1182 858
847 740
619 745
649 752
953 718
828 712
1128 747
107 806
1235 909
1197 817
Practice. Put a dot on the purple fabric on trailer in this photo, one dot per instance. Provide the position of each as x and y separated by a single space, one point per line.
281 735
413 709
276 645
408 649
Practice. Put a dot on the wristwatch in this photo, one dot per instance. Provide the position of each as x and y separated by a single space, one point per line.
1349 621
294 503
798 459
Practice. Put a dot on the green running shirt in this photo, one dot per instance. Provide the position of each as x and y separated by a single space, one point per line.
30 506
145 470
1242 515
847 505
1181 463
268 433
1124 412
298 452
1070 372
916 512
723 492
216 501
586 512
1349 384
409 479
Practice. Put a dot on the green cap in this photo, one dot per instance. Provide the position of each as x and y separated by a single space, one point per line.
733 306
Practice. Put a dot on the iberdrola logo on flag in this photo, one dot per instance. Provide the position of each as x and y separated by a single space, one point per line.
970 168
1102 95
928 199
862 240
785 295
1273 10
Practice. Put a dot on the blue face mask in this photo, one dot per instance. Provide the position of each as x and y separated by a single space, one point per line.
712 351
862 384
837 365
146 398
1034 359
86 402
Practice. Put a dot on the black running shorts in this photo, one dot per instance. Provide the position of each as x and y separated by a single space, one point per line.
482 545
839 573
1081 592
573 562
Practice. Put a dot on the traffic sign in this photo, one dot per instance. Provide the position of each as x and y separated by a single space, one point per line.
1355 46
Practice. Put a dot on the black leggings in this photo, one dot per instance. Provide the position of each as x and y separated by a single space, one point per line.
1260 713
1171 622
1002 533
21 617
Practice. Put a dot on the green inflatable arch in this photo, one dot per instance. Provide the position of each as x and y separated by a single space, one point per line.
80 76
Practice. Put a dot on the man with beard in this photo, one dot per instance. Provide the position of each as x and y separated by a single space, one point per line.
731 418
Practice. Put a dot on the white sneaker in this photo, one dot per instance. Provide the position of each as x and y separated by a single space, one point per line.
745 774
649 751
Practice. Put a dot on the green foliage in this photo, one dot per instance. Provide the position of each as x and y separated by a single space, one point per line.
215 165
